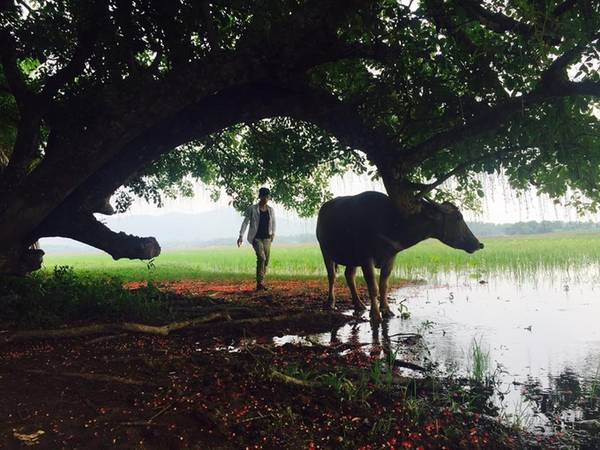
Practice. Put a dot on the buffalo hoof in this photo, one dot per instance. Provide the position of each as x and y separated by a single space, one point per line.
327 306
359 306
376 316
387 313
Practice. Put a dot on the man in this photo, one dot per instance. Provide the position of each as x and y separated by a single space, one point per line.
260 233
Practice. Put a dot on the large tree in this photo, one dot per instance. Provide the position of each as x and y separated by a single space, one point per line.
142 95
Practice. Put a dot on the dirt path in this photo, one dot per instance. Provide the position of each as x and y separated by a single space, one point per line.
286 293
222 387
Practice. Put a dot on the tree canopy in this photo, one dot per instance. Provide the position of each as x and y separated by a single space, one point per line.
145 95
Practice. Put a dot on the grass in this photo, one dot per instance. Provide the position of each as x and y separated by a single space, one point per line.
479 362
59 297
519 257
594 389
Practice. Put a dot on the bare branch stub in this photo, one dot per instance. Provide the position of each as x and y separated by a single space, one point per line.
460 168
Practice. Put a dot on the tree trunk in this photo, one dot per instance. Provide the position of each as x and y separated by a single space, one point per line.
403 198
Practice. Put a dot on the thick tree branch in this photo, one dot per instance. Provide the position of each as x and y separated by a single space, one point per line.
586 87
495 21
501 23
341 119
211 32
553 83
248 103
66 74
482 61
87 33
12 73
129 37
32 105
556 72
488 120
176 39
85 228
25 147
564 7
24 4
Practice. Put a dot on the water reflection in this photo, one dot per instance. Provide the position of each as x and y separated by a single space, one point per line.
569 397
542 337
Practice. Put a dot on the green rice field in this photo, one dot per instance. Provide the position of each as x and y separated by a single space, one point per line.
518 256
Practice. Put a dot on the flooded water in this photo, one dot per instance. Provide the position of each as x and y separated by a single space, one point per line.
541 338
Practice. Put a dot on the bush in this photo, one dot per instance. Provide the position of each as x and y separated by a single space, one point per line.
48 300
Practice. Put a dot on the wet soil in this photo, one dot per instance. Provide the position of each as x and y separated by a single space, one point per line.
225 386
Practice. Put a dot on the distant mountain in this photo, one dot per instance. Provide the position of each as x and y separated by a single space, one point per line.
174 230
533 227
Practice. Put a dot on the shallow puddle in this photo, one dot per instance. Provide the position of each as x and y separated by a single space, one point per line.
542 338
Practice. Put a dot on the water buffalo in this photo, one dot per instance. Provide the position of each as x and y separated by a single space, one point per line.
367 230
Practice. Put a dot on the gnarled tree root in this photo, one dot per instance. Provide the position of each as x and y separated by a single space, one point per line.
91 377
296 317
353 373
296 381
107 328
164 330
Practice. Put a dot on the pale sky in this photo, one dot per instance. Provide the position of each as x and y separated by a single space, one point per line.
501 204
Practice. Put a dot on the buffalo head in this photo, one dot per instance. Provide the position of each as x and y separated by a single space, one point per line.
450 227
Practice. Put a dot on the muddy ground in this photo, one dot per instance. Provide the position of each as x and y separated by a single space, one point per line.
224 385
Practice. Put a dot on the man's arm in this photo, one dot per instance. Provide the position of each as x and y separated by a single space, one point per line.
273 225
244 226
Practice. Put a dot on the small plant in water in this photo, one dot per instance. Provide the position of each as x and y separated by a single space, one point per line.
479 362
404 312
595 384
426 325
521 416
593 394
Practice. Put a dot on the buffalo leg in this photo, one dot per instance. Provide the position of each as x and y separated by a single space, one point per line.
350 273
330 266
386 270
369 274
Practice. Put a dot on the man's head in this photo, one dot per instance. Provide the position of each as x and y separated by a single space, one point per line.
264 194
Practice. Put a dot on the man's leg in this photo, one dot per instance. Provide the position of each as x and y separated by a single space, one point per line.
267 247
260 262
